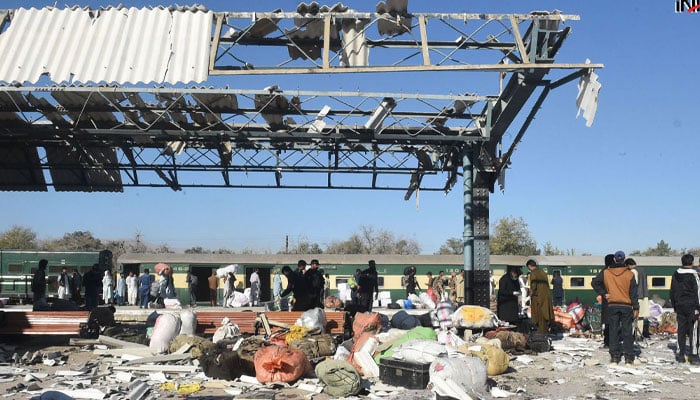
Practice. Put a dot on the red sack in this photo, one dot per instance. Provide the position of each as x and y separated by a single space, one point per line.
366 322
280 364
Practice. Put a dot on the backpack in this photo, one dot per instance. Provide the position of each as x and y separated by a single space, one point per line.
539 342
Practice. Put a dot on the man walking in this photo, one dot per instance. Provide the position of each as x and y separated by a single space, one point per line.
685 298
618 286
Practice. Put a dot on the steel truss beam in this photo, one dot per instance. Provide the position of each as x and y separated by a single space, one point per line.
163 137
105 138
341 42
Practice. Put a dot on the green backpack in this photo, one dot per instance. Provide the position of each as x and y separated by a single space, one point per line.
341 378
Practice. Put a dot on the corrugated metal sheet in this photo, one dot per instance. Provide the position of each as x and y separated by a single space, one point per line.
83 169
108 45
21 169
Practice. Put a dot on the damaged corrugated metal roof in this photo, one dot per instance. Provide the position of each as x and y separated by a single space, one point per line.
116 44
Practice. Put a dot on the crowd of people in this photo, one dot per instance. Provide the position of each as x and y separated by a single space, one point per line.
102 288
622 295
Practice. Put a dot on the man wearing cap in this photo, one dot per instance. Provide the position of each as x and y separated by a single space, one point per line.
508 305
618 285
540 298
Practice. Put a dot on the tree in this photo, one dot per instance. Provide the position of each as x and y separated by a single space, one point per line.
195 250
662 249
163 248
303 246
371 241
453 246
511 236
18 238
75 241
550 250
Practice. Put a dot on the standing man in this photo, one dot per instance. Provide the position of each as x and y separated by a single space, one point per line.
353 283
411 281
277 289
297 285
685 285
64 288
121 289
213 288
132 288
92 281
254 288
368 286
192 285
557 288
76 283
508 299
460 288
301 267
144 288
618 286
540 297
453 286
39 283
107 291
642 294
315 284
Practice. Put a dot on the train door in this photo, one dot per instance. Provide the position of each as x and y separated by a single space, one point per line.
202 273
264 274
126 268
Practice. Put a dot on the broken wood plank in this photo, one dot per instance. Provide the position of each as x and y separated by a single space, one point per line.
159 368
159 359
113 342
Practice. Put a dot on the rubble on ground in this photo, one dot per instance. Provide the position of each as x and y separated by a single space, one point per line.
491 363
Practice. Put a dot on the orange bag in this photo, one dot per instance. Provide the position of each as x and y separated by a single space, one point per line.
565 319
280 364
366 322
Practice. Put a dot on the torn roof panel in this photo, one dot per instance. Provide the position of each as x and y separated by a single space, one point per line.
121 45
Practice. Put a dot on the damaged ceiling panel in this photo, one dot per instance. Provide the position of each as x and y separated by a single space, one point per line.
84 169
107 45
21 169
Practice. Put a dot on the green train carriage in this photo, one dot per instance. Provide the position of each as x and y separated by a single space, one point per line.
577 271
17 268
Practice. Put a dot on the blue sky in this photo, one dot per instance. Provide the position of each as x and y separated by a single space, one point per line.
625 183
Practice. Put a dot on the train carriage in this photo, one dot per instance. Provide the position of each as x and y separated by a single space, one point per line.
577 271
18 266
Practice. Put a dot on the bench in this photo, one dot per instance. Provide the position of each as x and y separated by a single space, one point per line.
42 322
335 320
209 321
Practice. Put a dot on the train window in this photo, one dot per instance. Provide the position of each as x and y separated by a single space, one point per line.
339 281
15 268
380 281
577 281
54 269
658 281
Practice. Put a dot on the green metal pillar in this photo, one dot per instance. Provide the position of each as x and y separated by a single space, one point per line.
477 289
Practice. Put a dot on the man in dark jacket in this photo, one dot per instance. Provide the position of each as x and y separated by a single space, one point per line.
367 287
618 286
685 298
297 285
315 284
508 302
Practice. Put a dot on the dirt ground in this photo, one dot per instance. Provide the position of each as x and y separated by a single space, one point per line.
577 368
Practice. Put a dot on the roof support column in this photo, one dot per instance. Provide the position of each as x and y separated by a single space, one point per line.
468 234
476 236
